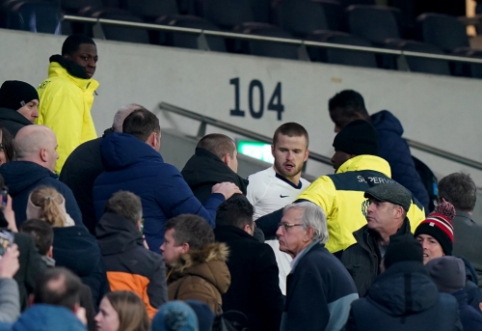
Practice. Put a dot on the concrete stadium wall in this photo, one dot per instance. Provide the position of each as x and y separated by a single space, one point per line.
440 111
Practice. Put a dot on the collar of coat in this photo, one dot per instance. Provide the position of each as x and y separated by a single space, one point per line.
365 234
210 252
366 162
62 67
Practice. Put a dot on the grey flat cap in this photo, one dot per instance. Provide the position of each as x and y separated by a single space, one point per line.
392 192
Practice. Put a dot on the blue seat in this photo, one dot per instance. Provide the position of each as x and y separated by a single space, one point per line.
340 56
34 16
443 31
375 24
150 10
119 33
425 65
334 14
265 48
188 40
301 17
228 13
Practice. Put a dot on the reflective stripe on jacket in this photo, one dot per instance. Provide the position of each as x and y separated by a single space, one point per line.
341 196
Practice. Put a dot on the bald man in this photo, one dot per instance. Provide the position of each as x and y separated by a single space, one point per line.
36 149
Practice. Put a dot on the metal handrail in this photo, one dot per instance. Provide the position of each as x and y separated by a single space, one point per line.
298 42
315 156
231 128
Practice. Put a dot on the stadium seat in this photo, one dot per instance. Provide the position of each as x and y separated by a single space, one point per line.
73 6
34 16
425 65
301 17
261 10
340 56
150 10
334 13
228 13
120 33
346 3
375 24
265 48
443 31
187 40
475 69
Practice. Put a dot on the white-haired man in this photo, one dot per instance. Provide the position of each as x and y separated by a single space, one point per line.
318 282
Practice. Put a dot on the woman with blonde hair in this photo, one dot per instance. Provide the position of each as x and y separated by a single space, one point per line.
74 247
122 311
48 204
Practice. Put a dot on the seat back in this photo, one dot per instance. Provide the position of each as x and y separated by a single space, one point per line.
152 9
443 31
34 16
228 13
120 33
430 66
375 24
301 17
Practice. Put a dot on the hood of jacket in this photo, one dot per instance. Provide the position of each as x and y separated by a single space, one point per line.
19 175
206 168
7 114
208 263
62 67
76 249
405 288
41 317
386 121
115 234
366 162
121 150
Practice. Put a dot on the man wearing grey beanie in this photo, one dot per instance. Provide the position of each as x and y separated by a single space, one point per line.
448 273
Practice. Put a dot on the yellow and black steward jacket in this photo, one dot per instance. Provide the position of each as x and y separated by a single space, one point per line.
129 265
341 196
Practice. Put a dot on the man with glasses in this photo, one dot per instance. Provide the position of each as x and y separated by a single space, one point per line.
386 215
319 288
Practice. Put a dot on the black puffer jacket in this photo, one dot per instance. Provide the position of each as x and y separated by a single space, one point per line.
12 121
204 169
404 298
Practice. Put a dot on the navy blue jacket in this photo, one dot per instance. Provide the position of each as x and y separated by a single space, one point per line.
319 292
22 177
471 318
404 298
134 166
76 249
42 317
394 149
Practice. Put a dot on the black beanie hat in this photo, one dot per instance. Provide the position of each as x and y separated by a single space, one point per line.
403 248
15 94
358 137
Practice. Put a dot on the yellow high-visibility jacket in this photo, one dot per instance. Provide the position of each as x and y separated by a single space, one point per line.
65 104
341 197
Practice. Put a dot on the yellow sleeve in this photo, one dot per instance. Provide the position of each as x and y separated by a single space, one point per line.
415 215
321 192
63 112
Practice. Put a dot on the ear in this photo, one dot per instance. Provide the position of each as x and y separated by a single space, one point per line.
185 248
151 140
50 252
31 299
226 158
272 149
247 229
307 155
310 232
43 154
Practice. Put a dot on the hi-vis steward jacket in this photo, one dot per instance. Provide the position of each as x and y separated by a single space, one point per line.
65 103
341 197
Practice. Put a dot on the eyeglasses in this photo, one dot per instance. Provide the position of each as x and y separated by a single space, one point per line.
288 226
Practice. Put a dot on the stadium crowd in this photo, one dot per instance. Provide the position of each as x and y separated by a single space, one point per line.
102 234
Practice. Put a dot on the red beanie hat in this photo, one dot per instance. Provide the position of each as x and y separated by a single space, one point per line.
439 225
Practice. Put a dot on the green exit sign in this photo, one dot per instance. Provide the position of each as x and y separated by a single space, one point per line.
257 150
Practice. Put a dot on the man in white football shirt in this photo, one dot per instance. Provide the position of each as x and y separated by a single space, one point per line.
279 185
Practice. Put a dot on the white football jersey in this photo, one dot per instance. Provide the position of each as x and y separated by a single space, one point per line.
268 192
